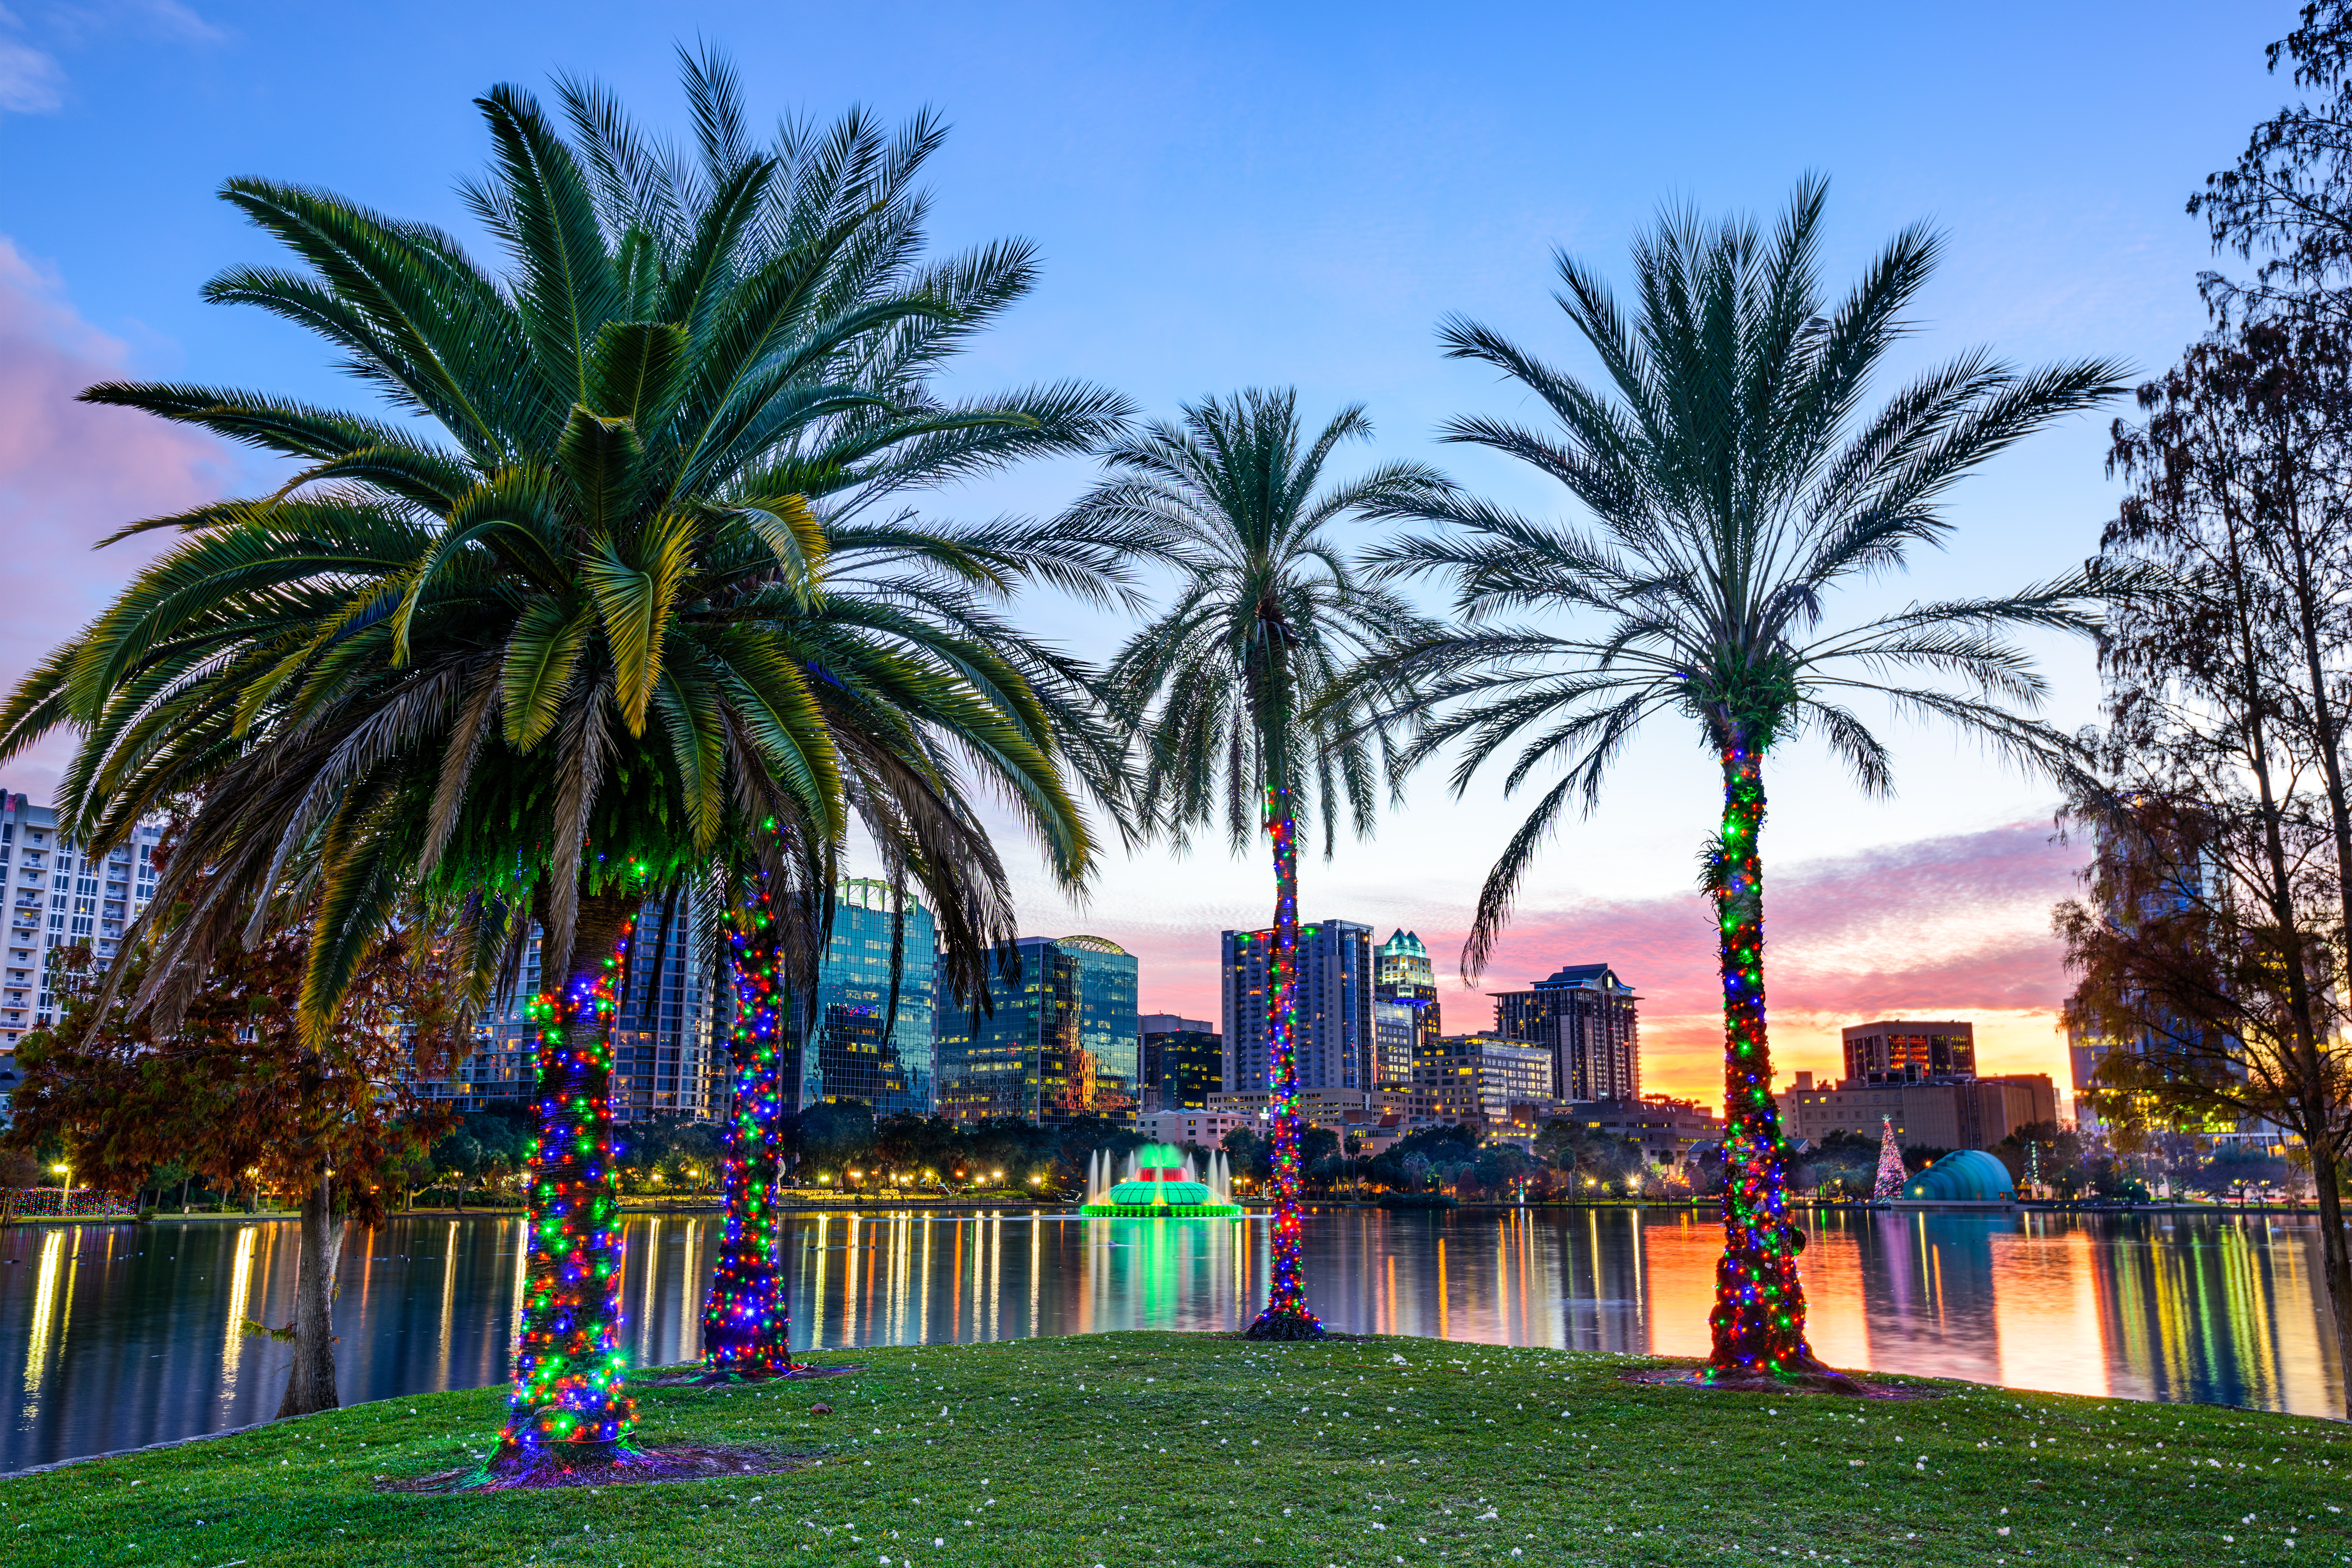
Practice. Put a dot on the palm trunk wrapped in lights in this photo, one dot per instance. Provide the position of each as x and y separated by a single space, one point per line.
569 1403
1285 1316
1759 1299
747 1319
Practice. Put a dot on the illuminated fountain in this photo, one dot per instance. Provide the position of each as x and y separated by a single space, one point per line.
1160 1183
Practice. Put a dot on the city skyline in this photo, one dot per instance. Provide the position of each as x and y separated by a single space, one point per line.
1209 272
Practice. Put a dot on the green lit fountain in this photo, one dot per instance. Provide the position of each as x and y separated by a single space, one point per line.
1159 1185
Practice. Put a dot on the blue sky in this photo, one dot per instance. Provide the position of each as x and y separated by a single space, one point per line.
1237 196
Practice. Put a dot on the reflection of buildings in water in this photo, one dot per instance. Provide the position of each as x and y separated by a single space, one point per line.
1600 1281
45 1309
1904 1292
240 1283
2046 1317
2232 1315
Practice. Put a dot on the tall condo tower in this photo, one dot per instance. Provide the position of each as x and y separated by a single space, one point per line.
1335 1007
59 897
1589 1019
1406 1023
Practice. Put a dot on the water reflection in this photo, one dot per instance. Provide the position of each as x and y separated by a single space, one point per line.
131 1335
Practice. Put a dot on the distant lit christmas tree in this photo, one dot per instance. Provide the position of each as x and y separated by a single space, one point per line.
1890 1162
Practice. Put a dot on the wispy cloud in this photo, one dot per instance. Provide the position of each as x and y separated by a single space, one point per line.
69 475
31 82
32 78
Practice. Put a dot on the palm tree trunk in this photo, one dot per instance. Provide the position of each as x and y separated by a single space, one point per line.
1759 1300
747 1319
311 1382
568 1398
1285 1316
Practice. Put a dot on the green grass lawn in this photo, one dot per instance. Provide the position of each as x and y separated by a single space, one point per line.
1149 1449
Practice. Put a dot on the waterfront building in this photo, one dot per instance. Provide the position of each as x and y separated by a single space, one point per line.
1203 1128
1184 1062
1334 1040
1590 1020
669 1056
1405 1015
1893 1050
1059 1041
1956 1113
863 1047
1668 1130
58 897
1484 1076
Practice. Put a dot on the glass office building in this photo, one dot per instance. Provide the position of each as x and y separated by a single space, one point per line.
861 1047
1058 1042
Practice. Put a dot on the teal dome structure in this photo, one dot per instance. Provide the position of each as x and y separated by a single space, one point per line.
1965 1177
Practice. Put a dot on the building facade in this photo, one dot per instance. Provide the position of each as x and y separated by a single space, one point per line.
1335 1024
1484 1075
1668 1130
1590 1020
1184 1062
58 897
862 1048
1405 1015
1956 1113
1894 1050
669 1052
1059 1042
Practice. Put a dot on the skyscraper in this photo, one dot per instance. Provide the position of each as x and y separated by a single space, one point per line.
1335 1007
56 897
1059 1041
1184 1062
664 1059
1588 1019
1404 1010
858 1049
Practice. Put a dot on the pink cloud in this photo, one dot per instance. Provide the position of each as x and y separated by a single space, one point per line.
69 475
1955 927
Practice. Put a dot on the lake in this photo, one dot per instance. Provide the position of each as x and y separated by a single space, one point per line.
118 1335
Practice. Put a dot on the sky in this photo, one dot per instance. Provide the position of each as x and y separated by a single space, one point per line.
1260 196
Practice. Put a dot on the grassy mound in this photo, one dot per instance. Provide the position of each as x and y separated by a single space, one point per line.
1155 1448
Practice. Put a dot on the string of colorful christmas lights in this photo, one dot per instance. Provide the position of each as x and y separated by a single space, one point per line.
1285 1316
569 1368
1759 1301
747 1319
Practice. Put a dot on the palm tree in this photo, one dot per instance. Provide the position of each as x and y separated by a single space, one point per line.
1732 479
1231 687
580 643
887 435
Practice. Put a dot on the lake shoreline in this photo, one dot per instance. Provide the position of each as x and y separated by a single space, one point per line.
1206 1448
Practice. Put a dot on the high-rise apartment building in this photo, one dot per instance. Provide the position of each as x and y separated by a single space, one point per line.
1184 1062
1405 1017
669 1053
859 1049
1590 1020
1059 1041
1335 1026
55 897
1894 1050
